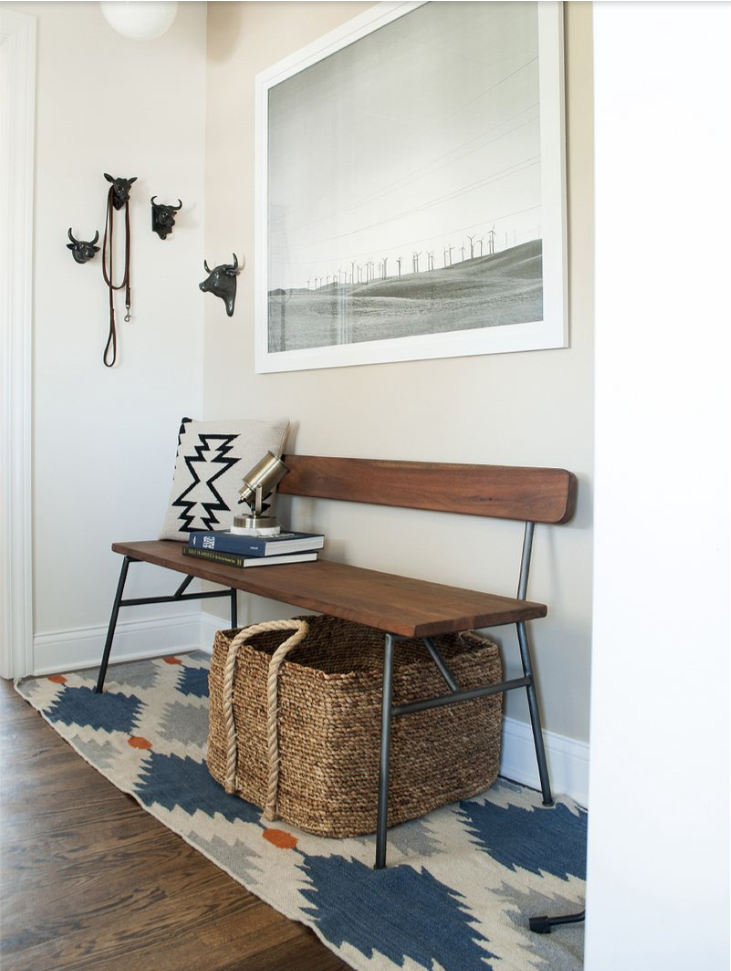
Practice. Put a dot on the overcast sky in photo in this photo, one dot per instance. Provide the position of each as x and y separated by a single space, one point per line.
411 139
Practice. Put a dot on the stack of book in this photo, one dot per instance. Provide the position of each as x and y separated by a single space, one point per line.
222 546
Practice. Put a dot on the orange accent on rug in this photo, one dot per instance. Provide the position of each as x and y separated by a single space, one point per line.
57 679
279 838
172 660
137 741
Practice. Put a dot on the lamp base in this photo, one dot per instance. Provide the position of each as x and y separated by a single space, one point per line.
255 526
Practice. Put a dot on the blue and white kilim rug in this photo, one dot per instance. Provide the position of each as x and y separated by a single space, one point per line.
460 884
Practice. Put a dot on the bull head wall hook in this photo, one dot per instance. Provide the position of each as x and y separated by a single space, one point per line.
120 189
163 217
82 250
221 282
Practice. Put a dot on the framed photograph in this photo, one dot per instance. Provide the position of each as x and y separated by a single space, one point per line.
411 188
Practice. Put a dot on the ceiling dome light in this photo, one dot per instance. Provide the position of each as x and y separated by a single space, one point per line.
139 19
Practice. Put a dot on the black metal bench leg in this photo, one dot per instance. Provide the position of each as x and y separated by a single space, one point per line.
535 718
543 925
113 623
382 824
234 614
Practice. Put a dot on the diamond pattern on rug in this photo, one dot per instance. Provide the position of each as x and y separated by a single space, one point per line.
461 881
138 674
407 896
79 706
170 781
183 723
538 840
194 681
98 753
414 839
238 860
561 950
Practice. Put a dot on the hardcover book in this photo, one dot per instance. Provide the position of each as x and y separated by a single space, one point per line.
235 559
223 541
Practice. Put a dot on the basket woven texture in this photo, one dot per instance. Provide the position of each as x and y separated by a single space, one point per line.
301 740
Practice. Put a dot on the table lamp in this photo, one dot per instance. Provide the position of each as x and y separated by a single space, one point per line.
259 483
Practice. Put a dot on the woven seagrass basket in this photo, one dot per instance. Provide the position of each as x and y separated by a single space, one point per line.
301 740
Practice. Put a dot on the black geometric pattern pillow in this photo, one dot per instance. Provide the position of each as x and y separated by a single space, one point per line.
213 457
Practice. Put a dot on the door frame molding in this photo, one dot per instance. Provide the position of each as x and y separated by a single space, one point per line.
17 151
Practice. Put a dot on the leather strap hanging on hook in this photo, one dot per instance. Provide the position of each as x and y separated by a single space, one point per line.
107 270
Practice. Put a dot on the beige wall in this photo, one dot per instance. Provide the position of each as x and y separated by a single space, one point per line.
516 409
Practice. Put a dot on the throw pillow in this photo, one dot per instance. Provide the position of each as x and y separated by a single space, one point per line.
213 457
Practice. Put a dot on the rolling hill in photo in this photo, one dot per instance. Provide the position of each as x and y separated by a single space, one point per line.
487 291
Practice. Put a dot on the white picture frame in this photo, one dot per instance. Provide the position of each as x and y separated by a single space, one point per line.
349 157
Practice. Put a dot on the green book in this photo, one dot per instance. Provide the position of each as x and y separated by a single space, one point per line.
234 559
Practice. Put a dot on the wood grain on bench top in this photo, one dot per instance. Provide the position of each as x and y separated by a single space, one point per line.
398 605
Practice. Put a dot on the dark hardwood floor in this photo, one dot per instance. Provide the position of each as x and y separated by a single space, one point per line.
90 882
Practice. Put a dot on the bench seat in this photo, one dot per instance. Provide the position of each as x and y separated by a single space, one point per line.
390 603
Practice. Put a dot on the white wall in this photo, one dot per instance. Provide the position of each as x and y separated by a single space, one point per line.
514 409
659 825
104 439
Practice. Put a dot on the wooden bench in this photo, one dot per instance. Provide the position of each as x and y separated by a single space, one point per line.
398 606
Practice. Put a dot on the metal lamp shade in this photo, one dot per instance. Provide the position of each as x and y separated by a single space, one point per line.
266 476
259 483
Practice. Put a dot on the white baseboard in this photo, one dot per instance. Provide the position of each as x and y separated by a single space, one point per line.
568 759
210 623
133 640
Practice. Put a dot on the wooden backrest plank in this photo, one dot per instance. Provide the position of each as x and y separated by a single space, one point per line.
500 492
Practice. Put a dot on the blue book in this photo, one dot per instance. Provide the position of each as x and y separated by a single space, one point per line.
224 541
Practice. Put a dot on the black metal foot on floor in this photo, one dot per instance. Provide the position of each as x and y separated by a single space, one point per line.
543 925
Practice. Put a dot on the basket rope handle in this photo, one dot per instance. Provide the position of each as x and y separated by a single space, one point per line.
300 629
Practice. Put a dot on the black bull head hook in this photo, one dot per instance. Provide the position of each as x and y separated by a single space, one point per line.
121 189
82 250
163 217
221 282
